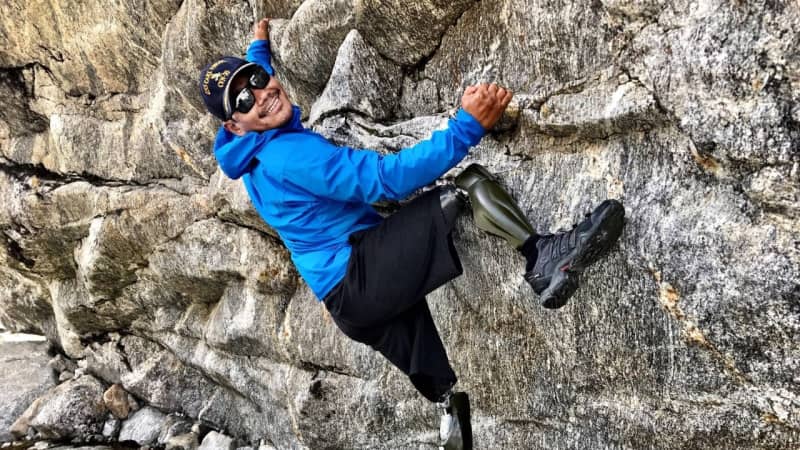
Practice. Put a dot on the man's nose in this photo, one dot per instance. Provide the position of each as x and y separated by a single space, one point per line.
260 94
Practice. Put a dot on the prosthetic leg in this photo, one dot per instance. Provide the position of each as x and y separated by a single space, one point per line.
554 261
455 429
496 212
493 208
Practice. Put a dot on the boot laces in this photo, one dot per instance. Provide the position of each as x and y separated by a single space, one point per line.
568 237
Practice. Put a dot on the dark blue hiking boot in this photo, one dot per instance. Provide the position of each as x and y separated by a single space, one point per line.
455 430
561 257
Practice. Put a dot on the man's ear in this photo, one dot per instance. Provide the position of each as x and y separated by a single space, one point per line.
233 127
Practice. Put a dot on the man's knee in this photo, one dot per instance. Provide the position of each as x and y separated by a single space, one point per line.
493 208
453 204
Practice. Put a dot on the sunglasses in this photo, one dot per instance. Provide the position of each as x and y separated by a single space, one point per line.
245 99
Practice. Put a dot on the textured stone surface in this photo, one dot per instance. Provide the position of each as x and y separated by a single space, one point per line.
24 376
309 42
111 428
173 426
361 81
407 32
187 441
73 409
87 447
143 426
128 249
216 441
116 401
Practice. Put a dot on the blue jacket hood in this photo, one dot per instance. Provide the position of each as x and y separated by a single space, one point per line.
234 153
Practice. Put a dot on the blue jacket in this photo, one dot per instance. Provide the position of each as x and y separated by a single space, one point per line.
315 194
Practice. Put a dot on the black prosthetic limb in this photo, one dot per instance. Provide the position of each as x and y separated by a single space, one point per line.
453 204
455 429
493 208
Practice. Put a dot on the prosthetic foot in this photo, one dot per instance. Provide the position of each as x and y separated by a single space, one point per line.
455 430
493 208
563 256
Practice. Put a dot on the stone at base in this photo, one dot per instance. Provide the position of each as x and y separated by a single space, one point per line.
116 400
174 425
143 426
98 447
187 441
72 409
216 441
24 376
111 428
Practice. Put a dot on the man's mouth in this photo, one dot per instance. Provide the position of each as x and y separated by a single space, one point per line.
272 106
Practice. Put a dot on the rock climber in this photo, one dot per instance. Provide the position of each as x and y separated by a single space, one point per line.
373 273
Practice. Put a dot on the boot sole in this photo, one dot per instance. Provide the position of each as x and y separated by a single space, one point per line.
601 237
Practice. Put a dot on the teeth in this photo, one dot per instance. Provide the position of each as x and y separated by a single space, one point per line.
272 106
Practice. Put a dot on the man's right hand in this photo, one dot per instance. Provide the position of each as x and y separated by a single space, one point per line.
486 103
261 29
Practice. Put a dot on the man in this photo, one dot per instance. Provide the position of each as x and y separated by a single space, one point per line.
373 273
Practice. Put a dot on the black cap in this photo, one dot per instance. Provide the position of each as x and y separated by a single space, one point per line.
215 83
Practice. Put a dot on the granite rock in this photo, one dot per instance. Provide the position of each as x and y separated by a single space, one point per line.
372 92
216 441
143 426
173 426
186 441
128 249
73 409
24 376
116 400
111 428
408 32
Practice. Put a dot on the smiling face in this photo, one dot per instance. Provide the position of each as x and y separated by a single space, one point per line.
272 108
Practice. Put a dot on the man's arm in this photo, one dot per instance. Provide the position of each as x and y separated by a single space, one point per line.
258 52
345 174
342 173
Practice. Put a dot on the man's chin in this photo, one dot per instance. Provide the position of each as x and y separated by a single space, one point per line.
285 116
260 127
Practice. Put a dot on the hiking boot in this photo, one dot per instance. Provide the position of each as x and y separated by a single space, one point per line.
561 257
455 430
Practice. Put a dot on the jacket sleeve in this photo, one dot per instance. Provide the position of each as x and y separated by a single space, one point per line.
344 174
259 53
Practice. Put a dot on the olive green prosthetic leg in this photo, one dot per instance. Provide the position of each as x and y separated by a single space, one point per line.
493 209
554 261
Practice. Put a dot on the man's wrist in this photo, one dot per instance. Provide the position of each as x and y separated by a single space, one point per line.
464 116
469 126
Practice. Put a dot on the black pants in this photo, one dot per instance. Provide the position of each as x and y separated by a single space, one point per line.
381 300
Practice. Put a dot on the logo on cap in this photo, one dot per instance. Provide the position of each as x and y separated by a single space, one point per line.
219 77
215 81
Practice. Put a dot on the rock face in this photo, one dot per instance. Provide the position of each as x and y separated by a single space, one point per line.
128 249
361 81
